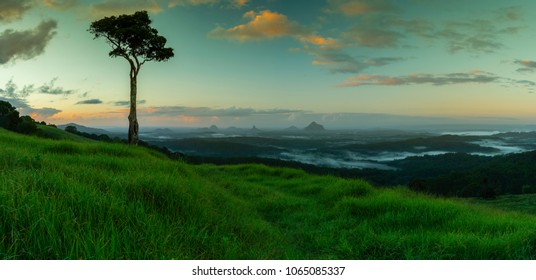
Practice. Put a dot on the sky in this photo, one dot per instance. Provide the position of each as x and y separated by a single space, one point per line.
276 63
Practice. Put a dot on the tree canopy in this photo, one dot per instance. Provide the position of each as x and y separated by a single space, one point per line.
9 116
10 119
132 37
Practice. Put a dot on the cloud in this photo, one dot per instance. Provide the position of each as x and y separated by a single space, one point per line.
89 102
387 30
117 7
266 25
231 3
122 103
240 3
526 83
359 7
478 35
174 3
11 90
263 25
527 65
339 62
25 44
210 112
512 13
16 102
379 24
419 79
374 36
11 10
17 97
392 31
50 88
127 103
42 113
61 4
106 8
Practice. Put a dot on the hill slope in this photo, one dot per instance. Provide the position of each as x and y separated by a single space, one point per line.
50 132
62 199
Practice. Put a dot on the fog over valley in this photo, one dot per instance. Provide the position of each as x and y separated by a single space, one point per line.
316 145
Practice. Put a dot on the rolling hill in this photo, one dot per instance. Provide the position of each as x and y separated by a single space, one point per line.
65 199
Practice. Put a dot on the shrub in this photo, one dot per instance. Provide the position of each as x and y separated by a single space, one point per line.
26 127
71 129
9 117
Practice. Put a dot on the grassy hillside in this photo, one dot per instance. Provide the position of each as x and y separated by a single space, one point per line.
45 131
520 202
62 199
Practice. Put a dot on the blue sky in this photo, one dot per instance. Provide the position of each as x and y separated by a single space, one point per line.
275 62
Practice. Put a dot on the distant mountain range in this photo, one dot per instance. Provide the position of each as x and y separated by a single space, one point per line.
81 128
312 127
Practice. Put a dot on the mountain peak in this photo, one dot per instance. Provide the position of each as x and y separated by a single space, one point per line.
314 126
292 128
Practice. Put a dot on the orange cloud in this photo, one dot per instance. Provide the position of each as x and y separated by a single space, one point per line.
240 3
70 116
359 7
263 25
323 43
266 25
318 62
36 116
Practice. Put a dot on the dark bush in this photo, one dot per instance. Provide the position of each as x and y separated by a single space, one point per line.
26 127
9 117
71 129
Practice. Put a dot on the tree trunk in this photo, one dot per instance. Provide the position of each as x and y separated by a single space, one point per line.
132 117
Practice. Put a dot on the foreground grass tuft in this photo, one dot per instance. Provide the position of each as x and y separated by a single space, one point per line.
62 199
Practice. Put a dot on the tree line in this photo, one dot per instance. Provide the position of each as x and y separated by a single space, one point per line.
10 119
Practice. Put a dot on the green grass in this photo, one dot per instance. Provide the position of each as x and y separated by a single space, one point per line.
50 132
63 199
521 203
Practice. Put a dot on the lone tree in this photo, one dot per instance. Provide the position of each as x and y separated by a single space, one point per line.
132 38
